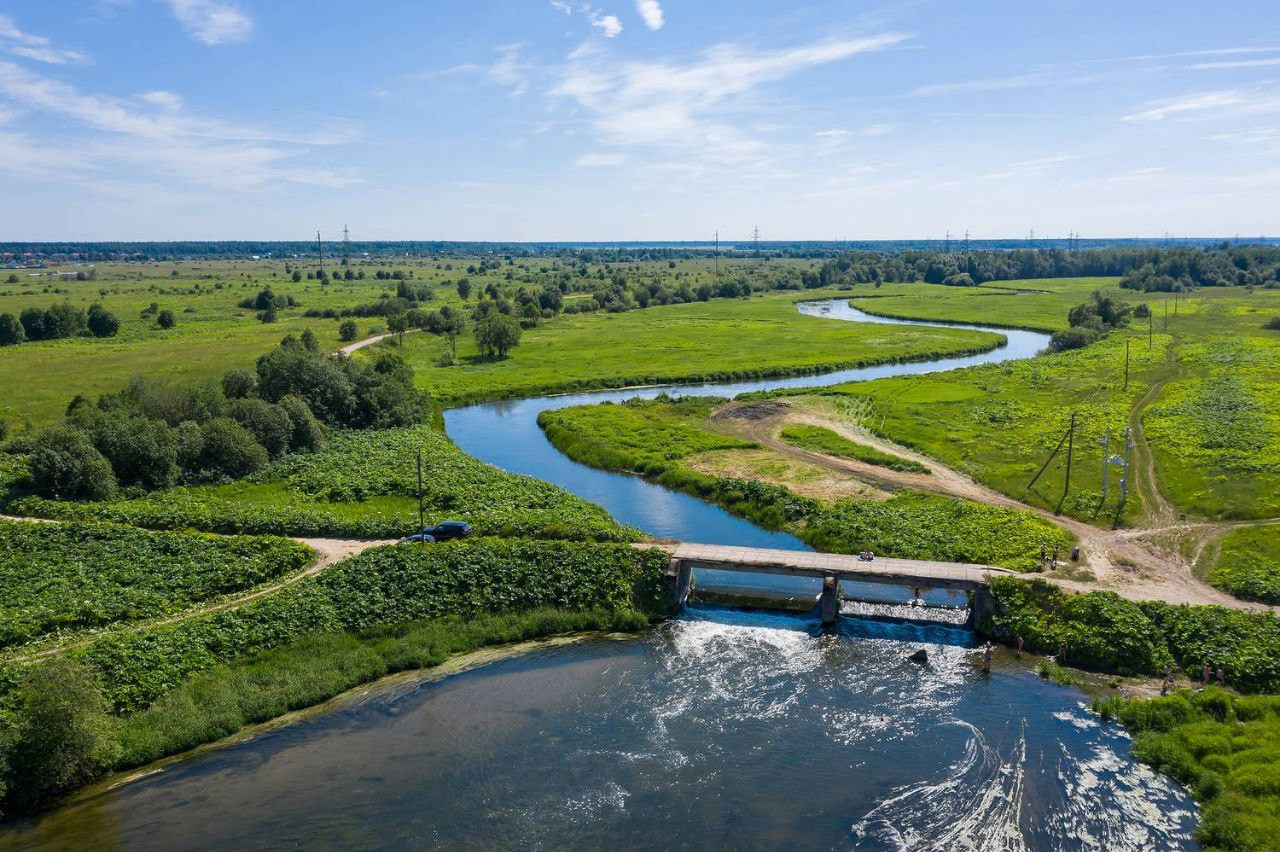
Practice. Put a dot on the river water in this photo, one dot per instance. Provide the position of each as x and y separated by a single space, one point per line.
722 728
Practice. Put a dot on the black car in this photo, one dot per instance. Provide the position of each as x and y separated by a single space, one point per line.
450 529
419 538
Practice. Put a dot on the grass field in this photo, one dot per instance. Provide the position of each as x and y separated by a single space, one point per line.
699 341
822 440
1042 305
1248 564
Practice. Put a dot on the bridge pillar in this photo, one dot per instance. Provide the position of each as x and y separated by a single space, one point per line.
679 578
829 602
982 604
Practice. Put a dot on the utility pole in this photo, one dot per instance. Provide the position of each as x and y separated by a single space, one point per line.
1126 363
346 246
1071 440
717 253
1151 324
320 249
1106 463
422 524
1166 314
1124 476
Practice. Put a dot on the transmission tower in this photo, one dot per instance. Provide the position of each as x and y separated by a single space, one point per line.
346 246
946 243
966 240
755 239
319 250
717 253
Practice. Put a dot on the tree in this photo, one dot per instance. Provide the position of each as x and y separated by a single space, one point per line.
268 315
269 424
140 451
497 334
296 277
166 319
464 289
63 734
238 383
306 432
398 324
229 449
11 330
347 331
12 279
102 323
66 466
33 326
1101 313
308 340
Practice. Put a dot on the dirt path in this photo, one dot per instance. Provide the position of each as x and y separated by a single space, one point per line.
1160 512
1127 562
329 551
369 341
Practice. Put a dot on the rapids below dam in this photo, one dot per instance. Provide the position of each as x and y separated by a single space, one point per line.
719 728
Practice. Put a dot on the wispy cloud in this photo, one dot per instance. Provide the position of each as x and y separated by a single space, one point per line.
1236 63
1027 168
689 107
990 84
1186 104
651 12
40 48
509 71
164 141
836 134
212 22
600 160
609 25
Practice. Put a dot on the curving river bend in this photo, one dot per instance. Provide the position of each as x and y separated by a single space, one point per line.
721 728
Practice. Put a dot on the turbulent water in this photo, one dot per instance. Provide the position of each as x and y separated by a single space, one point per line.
723 728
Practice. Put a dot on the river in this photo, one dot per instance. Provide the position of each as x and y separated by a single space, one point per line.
721 728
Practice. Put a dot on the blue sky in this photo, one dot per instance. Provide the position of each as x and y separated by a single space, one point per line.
636 119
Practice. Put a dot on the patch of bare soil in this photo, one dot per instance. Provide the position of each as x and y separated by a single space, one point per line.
750 411
800 477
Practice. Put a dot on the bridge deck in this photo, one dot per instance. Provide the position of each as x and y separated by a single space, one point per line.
952 575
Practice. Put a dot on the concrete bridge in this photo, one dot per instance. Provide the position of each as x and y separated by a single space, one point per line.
914 574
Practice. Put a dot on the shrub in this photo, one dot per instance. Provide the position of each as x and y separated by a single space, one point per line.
1073 338
65 465
11 330
306 432
1272 324
102 323
229 450
238 383
63 735
269 424
347 331
166 319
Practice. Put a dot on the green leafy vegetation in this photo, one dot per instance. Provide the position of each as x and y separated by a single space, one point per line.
1248 564
1225 747
823 440
1104 632
62 577
362 484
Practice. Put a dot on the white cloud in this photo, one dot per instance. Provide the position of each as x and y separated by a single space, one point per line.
508 71
162 99
843 133
1237 63
39 48
212 22
994 84
690 107
1160 110
600 160
561 6
609 25
651 12
171 144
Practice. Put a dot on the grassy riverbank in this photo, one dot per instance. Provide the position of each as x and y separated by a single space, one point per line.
1225 747
663 439
719 340
139 695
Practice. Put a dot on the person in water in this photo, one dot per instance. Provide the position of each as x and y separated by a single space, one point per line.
988 653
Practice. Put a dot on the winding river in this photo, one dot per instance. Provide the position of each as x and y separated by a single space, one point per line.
721 728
